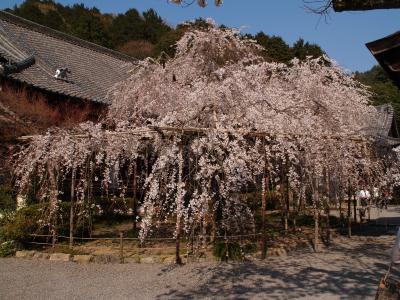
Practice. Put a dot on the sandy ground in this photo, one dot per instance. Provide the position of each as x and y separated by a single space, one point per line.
349 269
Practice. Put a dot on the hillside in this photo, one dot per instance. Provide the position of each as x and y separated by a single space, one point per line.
138 34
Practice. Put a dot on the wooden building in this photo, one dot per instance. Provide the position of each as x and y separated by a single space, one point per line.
387 53
49 78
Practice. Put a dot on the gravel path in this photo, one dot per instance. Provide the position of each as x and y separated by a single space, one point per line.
349 270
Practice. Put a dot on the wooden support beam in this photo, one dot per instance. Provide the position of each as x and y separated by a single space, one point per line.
361 5
151 132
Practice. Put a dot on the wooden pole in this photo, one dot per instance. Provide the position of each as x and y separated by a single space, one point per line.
179 206
53 203
263 209
355 209
328 208
287 204
316 221
121 247
264 188
349 210
340 209
134 201
71 211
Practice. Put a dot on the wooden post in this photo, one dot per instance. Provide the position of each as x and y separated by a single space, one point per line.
316 213
369 204
355 208
287 203
340 210
328 226
134 201
349 211
71 211
264 188
179 206
316 229
226 249
328 208
263 208
178 259
53 203
121 247
316 221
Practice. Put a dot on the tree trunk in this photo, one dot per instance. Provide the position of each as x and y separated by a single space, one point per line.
346 5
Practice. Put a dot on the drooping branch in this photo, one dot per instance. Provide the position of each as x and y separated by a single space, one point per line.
201 3
224 100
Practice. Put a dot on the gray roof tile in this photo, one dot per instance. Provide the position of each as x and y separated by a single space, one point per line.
94 69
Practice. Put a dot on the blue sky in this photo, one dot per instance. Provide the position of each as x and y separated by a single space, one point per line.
343 37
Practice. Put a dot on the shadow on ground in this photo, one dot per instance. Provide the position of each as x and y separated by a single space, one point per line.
347 270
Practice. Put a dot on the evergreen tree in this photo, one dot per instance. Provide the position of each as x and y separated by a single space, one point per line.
275 46
126 27
302 50
154 26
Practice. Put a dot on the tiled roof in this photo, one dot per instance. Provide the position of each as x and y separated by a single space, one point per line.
93 69
387 53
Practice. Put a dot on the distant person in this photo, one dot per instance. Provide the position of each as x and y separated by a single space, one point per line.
383 201
363 196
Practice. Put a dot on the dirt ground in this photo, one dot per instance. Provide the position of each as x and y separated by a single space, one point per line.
348 269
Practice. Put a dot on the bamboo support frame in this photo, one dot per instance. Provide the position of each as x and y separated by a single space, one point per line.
156 130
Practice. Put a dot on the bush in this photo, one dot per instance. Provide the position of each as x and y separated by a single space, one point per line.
7 248
7 199
249 248
225 251
19 225
305 220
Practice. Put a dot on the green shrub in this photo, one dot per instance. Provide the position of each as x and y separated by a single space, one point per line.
7 198
305 220
19 225
7 248
249 248
225 251
272 233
